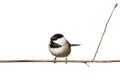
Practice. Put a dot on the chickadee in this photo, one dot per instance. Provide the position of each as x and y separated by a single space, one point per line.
60 47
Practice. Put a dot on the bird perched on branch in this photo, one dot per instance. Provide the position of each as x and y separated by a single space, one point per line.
60 47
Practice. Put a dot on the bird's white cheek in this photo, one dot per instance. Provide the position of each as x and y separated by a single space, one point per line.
61 41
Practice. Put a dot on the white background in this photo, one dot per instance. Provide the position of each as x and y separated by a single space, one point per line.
27 25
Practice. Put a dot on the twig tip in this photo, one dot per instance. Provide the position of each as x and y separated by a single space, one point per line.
116 5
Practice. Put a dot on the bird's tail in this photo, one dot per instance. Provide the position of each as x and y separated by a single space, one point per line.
75 44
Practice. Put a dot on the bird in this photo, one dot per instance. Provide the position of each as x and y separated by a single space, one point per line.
59 46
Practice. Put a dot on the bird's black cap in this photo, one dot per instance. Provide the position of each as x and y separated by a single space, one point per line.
56 36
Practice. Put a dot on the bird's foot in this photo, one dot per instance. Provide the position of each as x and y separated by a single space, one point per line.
66 60
54 61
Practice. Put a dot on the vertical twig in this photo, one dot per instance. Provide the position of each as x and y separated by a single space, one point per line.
104 32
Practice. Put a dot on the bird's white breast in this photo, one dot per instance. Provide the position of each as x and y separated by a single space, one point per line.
57 51
63 51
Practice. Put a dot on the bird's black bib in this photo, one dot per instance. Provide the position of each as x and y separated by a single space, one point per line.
54 45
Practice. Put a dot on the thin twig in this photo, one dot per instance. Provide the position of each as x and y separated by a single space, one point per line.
72 61
104 32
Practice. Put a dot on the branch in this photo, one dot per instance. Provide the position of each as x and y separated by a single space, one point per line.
71 61
104 32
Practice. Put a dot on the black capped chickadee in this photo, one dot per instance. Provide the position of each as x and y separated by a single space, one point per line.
60 47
